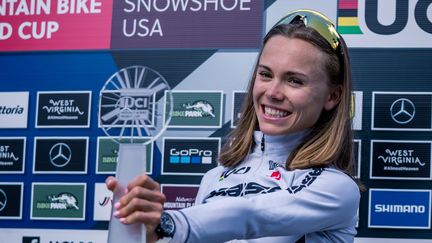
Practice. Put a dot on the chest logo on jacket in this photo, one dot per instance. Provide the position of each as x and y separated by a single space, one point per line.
275 173
235 171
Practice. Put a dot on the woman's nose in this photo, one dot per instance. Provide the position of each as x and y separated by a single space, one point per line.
275 90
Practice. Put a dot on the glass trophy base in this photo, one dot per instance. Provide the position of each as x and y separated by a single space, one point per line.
131 163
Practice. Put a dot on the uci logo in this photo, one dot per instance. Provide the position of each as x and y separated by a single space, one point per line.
133 102
379 20
385 23
401 16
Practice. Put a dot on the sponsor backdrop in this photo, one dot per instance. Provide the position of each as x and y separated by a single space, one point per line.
55 57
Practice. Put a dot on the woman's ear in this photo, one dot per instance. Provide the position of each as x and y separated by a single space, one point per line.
334 98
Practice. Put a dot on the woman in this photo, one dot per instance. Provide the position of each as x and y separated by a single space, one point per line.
286 170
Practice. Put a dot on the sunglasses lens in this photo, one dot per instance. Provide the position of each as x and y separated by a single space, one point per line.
316 21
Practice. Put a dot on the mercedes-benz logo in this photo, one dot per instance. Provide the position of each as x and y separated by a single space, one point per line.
3 200
402 111
60 154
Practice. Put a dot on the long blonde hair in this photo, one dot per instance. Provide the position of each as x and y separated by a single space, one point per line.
330 139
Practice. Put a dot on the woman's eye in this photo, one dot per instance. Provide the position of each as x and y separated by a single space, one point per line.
265 74
295 81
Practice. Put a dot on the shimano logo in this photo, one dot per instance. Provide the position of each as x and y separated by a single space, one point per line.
5 110
389 208
133 102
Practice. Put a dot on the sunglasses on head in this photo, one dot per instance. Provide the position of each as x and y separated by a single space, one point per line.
318 22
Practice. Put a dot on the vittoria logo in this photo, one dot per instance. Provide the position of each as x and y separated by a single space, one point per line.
7 110
13 109
398 208
63 109
197 109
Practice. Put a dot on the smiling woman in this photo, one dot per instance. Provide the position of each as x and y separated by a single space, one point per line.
290 95
286 170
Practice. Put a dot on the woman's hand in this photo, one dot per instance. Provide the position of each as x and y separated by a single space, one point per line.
142 202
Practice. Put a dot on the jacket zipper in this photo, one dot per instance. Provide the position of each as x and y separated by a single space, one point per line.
262 143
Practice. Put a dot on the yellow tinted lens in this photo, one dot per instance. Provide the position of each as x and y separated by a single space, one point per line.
316 21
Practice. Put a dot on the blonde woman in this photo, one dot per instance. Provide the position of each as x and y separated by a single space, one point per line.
286 172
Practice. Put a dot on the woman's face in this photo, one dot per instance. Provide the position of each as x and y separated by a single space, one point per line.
291 86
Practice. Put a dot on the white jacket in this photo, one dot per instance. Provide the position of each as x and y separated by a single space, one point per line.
260 201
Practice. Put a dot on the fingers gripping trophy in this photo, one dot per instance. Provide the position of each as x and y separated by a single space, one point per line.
135 107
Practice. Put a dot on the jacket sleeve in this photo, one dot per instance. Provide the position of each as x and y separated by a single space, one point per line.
330 201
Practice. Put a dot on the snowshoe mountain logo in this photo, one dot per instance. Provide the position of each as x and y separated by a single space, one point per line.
199 108
63 201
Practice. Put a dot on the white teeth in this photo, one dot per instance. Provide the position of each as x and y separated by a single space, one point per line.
274 113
